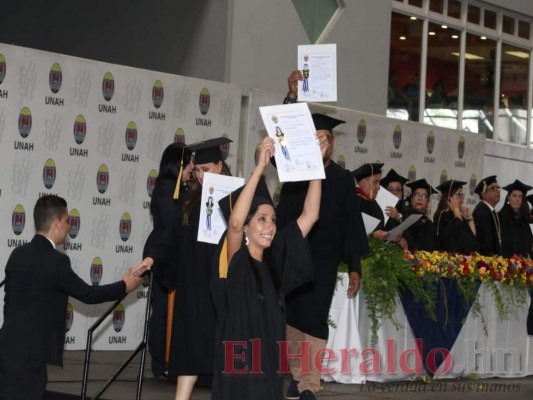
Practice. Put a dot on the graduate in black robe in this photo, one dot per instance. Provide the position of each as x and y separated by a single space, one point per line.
486 219
456 232
258 265
514 219
193 324
165 209
394 182
422 234
338 235
368 176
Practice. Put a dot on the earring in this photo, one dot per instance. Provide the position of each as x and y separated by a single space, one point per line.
246 241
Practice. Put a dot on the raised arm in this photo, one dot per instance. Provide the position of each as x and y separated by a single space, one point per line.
241 208
311 209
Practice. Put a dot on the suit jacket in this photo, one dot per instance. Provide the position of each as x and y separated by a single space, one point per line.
487 230
39 280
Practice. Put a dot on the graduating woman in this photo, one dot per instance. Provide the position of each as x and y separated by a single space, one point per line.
514 220
258 266
394 182
193 323
164 209
456 231
422 234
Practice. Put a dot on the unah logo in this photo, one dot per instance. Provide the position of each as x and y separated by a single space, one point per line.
55 78
70 317
80 129
341 161
397 137
108 86
430 142
125 227
75 223
18 219
131 135
158 94
411 175
443 176
461 147
224 148
119 315
361 131
179 136
25 122
204 101
150 182
102 178
472 184
96 271
3 68
49 173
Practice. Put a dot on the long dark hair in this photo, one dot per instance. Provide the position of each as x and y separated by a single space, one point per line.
443 205
169 165
523 211
194 195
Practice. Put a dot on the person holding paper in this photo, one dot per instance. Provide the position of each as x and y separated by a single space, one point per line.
422 234
456 231
259 266
394 182
338 235
514 217
193 323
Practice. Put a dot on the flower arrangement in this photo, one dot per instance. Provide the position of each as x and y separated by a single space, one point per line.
388 270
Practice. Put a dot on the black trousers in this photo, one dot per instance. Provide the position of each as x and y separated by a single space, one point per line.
22 379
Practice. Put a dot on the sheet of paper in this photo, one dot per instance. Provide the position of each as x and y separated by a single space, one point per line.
318 64
386 199
370 223
298 156
394 233
212 222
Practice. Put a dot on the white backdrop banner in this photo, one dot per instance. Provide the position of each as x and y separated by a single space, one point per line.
414 150
94 133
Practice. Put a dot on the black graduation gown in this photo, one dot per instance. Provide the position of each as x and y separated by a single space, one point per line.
422 235
250 309
516 233
454 234
488 242
193 324
372 208
338 235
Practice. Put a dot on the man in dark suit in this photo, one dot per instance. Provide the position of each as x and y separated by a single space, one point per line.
39 280
488 228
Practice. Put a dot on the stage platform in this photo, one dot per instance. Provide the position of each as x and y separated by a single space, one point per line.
104 363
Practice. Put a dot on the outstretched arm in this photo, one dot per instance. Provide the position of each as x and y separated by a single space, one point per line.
242 205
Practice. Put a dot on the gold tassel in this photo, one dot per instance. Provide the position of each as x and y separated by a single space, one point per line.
178 183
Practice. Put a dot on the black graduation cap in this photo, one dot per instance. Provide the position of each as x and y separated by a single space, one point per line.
484 183
323 121
517 185
261 196
449 185
366 170
208 150
421 184
392 176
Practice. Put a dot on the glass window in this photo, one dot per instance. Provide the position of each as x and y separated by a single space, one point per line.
480 58
524 29
508 25
454 8
442 76
474 14
436 6
404 67
416 3
490 19
512 121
